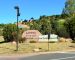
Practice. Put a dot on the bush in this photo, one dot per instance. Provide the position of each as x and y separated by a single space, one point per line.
1 29
10 32
73 41
22 40
32 41
52 42
62 40
1 32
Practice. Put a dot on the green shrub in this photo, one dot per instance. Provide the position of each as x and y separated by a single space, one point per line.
52 42
10 32
73 41
1 32
22 40
32 41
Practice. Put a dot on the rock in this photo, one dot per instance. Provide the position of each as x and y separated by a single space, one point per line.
13 42
36 50
68 40
62 40
65 40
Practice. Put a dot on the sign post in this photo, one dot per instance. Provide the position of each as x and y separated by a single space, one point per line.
48 39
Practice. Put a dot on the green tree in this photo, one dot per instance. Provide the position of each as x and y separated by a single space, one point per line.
70 27
1 29
53 23
61 29
45 24
69 9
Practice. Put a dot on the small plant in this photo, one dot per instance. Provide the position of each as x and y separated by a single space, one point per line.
52 42
32 41
22 40
73 41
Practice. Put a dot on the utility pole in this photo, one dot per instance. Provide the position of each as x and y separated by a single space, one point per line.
18 14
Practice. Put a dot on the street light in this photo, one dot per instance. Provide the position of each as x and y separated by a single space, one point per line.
18 14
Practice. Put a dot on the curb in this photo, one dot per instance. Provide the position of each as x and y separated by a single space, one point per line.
36 53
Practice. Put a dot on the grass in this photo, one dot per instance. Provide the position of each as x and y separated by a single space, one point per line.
9 48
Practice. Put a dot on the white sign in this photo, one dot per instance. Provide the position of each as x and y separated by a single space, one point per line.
43 38
53 37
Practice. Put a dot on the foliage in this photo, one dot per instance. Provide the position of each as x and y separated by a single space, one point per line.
1 29
61 29
69 9
9 32
52 42
70 27
45 24
32 41
52 24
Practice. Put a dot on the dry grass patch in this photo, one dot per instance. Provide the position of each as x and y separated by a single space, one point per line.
9 48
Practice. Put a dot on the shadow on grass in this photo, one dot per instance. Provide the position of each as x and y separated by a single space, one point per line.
72 46
3 42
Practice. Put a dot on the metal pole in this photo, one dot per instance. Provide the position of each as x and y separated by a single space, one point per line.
18 14
17 36
48 39
48 44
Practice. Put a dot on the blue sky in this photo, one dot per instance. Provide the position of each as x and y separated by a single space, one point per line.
29 8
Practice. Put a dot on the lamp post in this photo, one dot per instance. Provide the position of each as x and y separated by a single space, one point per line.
18 14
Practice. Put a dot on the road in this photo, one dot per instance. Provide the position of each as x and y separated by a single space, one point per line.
49 56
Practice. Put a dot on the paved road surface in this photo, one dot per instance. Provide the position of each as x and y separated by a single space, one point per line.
49 56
